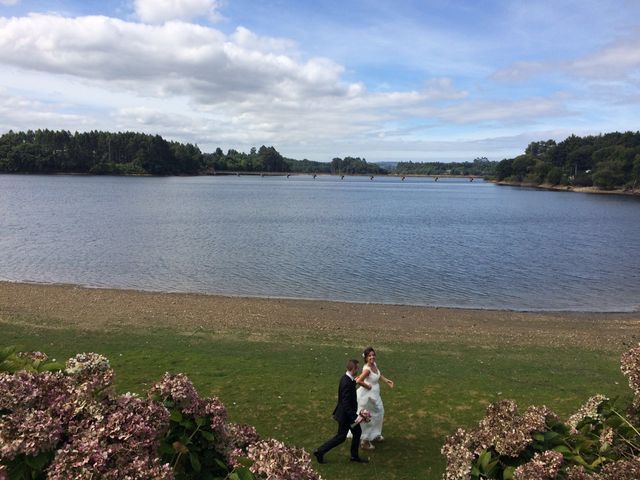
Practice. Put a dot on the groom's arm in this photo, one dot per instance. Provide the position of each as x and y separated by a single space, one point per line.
345 399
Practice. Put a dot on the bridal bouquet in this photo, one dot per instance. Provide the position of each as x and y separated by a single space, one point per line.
364 416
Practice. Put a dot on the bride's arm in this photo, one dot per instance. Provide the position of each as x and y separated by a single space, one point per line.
386 380
361 379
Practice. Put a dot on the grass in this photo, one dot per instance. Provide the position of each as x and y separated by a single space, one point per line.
286 386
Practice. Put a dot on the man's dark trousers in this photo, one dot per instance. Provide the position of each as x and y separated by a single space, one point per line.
345 414
340 437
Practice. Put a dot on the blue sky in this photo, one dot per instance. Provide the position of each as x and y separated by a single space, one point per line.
384 80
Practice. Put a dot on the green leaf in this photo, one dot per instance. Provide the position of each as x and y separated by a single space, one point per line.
487 466
165 449
176 416
200 421
187 423
6 352
563 449
614 421
245 461
51 367
508 473
210 437
483 460
584 445
195 462
579 460
538 437
552 438
39 461
244 473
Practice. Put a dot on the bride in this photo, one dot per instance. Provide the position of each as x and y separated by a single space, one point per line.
369 398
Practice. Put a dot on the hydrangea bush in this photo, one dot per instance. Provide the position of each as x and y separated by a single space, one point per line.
274 460
65 421
12 361
598 442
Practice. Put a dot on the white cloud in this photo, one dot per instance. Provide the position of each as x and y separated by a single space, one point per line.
194 83
160 11
175 58
521 111
520 71
320 133
247 77
246 39
619 59
9 2
457 148
23 113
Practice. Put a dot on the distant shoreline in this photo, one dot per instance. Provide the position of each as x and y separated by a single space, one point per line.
543 186
225 173
67 306
569 188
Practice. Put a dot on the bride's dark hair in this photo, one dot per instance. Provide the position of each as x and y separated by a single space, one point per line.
366 353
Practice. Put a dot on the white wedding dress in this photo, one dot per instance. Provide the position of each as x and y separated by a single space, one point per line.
371 400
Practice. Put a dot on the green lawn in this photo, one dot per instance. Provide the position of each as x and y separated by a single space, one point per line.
286 387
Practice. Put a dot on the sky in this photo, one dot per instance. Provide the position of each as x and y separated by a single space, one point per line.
384 80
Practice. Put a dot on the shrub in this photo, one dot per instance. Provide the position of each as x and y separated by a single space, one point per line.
196 440
69 423
274 460
583 179
12 361
608 177
599 442
554 176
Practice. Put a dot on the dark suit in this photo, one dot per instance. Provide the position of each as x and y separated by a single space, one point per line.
345 414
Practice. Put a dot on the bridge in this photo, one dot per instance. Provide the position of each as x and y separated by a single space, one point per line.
471 178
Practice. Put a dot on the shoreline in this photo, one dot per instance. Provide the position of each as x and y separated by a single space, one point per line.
59 306
568 188
328 300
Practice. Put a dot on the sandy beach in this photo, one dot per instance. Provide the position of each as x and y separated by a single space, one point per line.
69 306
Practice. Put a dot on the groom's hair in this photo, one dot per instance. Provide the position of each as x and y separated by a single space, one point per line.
351 364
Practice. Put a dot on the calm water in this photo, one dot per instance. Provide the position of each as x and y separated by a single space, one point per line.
450 243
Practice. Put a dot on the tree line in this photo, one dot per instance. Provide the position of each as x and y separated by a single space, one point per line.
48 151
481 166
606 161
130 153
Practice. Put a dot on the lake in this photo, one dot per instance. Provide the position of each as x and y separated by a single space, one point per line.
447 243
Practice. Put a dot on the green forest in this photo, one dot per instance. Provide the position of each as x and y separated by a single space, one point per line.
129 153
606 161
479 167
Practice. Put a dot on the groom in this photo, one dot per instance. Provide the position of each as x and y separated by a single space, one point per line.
345 414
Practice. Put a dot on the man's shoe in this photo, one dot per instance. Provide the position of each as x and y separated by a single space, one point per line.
319 457
359 460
